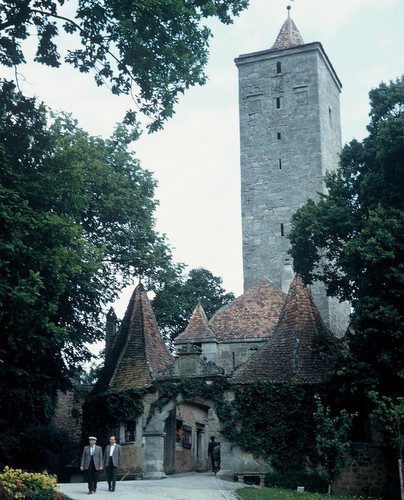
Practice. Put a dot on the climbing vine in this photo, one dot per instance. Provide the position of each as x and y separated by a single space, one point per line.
190 388
101 413
274 422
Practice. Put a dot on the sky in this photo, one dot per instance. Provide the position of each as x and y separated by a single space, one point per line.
195 159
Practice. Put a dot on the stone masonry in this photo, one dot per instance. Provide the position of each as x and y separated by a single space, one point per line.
290 135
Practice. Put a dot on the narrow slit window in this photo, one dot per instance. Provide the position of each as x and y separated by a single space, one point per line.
278 103
278 68
280 164
282 230
278 135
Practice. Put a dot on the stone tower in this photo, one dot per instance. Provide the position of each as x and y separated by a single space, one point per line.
290 135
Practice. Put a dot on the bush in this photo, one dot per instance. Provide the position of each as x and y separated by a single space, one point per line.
312 481
30 485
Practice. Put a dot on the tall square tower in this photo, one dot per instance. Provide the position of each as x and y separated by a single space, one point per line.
290 135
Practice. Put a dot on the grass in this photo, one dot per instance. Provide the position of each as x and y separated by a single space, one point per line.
281 494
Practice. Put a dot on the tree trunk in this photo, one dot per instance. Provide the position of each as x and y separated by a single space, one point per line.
400 473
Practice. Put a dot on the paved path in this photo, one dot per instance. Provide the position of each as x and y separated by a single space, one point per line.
192 486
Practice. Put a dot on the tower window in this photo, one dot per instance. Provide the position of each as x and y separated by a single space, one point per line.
278 136
278 68
282 229
280 166
279 102
330 114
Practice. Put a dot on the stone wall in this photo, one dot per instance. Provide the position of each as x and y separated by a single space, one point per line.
69 414
290 135
370 474
231 355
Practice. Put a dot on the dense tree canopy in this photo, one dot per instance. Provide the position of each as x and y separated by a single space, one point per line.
76 225
174 303
151 49
357 232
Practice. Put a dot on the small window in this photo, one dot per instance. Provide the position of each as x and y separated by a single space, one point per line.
282 230
179 435
278 135
187 443
279 102
278 68
130 431
280 164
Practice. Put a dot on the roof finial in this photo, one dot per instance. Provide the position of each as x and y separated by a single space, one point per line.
288 7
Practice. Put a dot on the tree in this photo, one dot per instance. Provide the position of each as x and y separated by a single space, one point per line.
76 225
174 303
153 50
389 413
356 232
332 439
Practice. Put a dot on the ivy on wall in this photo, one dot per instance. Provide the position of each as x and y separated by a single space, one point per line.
274 422
101 413
190 388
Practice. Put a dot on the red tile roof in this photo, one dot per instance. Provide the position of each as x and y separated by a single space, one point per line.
289 36
295 352
252 315
138 352
197 330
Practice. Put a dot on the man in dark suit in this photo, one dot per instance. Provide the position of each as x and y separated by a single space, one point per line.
211 445
112 460
91 462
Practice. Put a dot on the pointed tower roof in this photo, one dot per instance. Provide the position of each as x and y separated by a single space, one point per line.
138 352
295 352
252 315
198 329
289 36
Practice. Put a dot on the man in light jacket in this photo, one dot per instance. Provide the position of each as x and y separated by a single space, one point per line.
91 463
112 460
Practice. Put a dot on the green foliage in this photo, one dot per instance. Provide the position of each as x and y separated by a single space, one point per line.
76 225
174 303
389 413
332 438
190 388
150 49
282 494
105 412
29 485
45 447
357 232
275 422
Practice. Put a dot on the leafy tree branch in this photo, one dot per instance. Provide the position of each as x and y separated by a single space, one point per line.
151 50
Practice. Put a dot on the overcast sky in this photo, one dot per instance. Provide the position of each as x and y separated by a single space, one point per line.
196 157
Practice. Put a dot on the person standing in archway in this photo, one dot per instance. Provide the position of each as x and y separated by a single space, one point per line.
211 446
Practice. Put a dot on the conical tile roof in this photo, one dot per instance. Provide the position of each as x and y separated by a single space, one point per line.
295 352
198 329
138 352
252 315
289 36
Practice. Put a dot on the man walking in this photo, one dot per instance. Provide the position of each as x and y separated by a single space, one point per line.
91 462
112 460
